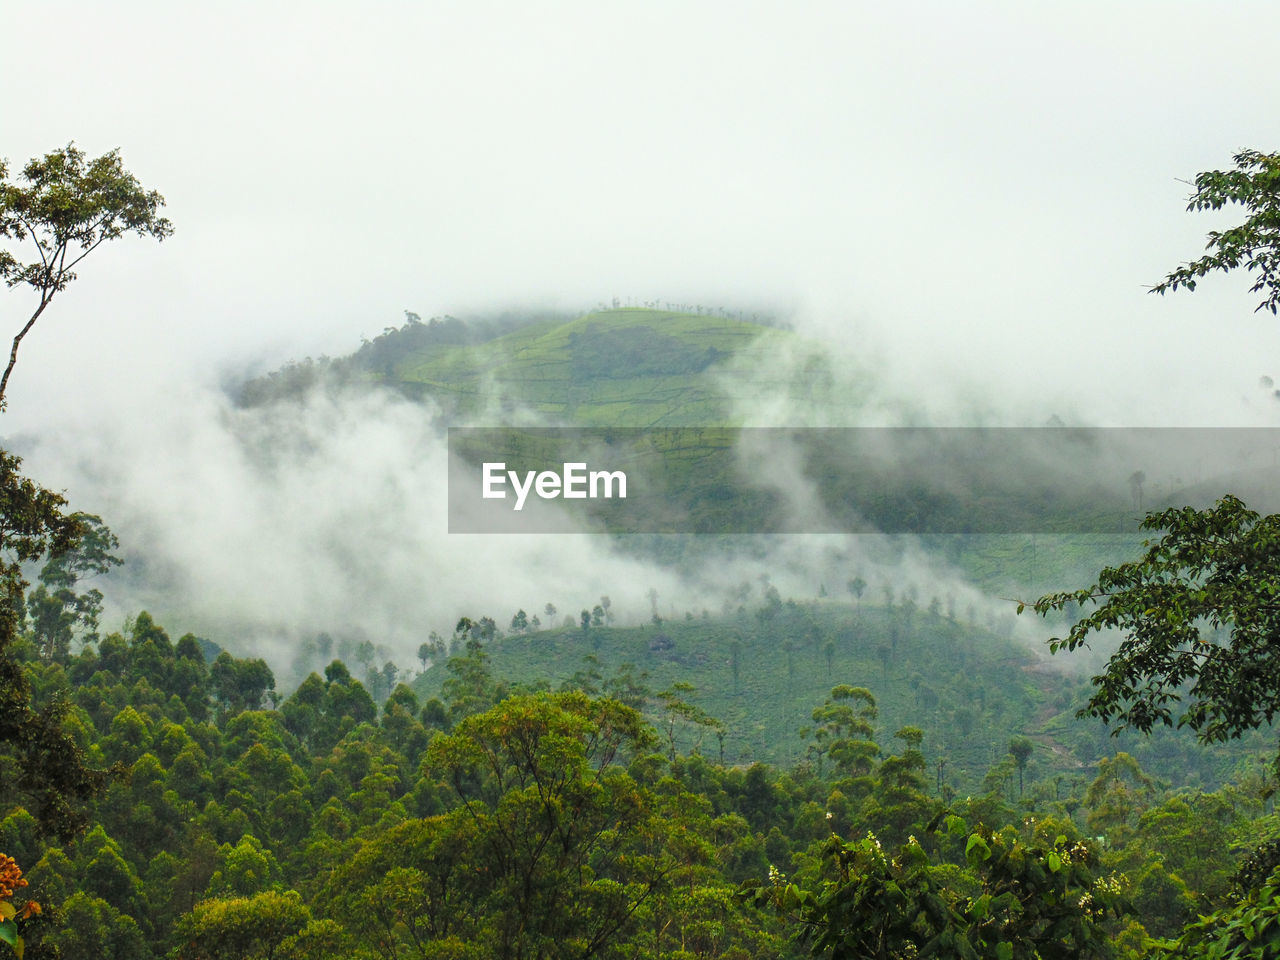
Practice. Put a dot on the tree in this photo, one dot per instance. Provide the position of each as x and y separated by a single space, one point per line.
365 655
1020 748
1038 898
58 613
1200 611
390 673
417 885
241 927
562 845
680 713
1255 185
93 928
1200 617
241 684
51 769
67 206
1136 480
843 730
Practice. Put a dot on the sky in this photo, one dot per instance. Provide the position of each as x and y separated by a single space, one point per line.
973 197
987 186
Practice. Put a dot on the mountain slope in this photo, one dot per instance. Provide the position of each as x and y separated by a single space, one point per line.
617 368
967 685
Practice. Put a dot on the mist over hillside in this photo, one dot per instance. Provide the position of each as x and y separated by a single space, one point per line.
312 499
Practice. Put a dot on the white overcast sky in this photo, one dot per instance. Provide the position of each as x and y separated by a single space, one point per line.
981 190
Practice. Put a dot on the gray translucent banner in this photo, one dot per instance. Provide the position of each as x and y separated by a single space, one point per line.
720 480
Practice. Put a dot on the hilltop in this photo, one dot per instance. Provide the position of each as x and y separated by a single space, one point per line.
633 367
625 367
617 368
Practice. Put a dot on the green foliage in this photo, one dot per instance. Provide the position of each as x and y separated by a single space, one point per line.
246 870
241 928
612 369
50 769
1117 797
678 712
1249 928
1021 748
897 800
761 716
541 821
1200 616
1254 184
66 206
91 927
58 613
552 848
1032 900
415 884
240 684
843 730
545 824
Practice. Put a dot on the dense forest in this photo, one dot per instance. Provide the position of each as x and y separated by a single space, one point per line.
598 818
502 820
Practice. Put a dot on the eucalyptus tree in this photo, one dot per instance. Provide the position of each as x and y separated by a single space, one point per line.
61 208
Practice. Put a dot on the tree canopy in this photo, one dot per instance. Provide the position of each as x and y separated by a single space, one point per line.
66 206
1200 613
50 771
1255 244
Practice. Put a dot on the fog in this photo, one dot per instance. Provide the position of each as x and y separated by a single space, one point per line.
261 527
963 206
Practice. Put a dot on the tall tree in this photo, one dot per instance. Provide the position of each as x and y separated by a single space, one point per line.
565 846
1021 748
66 206
58 612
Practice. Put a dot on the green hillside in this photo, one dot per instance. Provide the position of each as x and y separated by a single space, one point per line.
619 368
969 686
625 367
